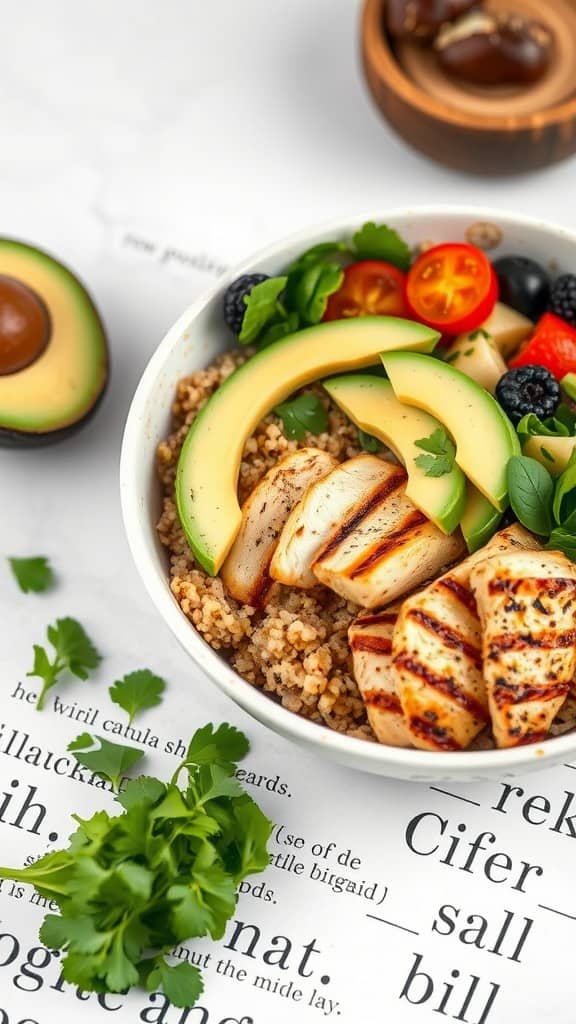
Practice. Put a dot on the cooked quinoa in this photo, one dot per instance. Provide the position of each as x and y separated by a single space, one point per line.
296 648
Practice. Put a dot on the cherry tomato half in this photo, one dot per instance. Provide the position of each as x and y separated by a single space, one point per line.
369 288
452 287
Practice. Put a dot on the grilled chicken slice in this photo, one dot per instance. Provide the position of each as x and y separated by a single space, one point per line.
384 547
370 638
437 654
264 513
324 505
527 605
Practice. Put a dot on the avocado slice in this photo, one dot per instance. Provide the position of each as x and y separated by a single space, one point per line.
552 452
479 521
372 406
568 383
53 352
207 476
485 438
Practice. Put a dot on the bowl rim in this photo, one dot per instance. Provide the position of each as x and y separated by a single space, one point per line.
380 59
256 702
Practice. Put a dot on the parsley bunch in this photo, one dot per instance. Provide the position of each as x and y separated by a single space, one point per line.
165 870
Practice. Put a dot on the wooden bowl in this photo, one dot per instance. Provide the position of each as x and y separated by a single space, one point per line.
476 129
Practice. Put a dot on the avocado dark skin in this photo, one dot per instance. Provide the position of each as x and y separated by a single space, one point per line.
54 362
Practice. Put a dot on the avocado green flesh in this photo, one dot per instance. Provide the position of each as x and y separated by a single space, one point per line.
207 476
372 406
479 521
485 439
63 385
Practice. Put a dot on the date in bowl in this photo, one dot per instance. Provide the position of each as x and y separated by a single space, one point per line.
192 344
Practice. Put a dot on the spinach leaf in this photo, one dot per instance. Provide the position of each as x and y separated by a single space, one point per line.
531 490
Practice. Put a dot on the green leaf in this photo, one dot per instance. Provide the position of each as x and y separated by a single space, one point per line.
442 451
137 691
309 289
563 540
562 424
367 442
73 647
256 830
564 501
531 490
182 984
262 307
305 414
318 254
32 574
380 242
278 330
225 745
144 789
108 760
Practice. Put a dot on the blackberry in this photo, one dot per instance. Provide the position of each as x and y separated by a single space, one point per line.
528 389
563 298
234 306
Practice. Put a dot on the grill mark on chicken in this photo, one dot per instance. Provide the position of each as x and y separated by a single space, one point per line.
433 734
396 539
260 592
379 618
445 685
548 640
449 637
461 593
505 693
377 644
550 587
376 498
383 701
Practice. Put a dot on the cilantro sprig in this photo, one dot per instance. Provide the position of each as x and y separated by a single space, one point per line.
164 871
32 574
298 298
305 414
73 652
137 691
441 451
109 760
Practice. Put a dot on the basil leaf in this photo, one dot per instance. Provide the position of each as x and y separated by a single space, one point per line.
317 254
307 290
380 242
563 540
262 307
564 500
531 490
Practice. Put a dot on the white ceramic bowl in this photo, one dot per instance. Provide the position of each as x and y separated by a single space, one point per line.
192 343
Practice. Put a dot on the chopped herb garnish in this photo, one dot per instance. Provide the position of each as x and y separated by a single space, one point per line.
479 333
73 652
109 760
469 351
442 450
263 307
547 455
32 574
368 442
380 242
305 414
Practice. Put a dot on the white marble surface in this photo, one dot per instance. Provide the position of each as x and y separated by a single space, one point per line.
210 128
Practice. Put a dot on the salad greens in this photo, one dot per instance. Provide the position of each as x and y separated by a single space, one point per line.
284 304
137 691
562 424
545 506
163 871
73 651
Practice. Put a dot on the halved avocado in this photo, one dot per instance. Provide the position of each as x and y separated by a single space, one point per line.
207 476
371 404
53 352
479 521
485 438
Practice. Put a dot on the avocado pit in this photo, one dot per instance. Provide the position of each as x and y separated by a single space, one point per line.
24 325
